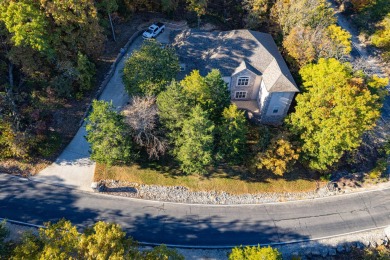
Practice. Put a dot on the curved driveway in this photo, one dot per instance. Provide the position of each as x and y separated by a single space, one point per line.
196 225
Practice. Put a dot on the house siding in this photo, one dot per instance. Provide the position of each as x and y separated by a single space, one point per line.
250 89
282 100
227 81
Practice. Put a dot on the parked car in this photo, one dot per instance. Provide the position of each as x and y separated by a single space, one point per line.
153 30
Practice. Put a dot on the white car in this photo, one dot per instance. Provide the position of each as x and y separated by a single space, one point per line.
153 30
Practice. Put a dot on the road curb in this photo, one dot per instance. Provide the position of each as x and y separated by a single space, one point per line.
202 205
222 247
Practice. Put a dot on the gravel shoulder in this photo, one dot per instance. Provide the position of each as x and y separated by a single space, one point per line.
184 195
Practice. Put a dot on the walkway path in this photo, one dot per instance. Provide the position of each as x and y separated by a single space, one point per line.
73 168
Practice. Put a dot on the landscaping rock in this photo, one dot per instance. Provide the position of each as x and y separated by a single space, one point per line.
366 243
348 247
359 245
332 252
340 249
94 186
387 232
380 242
315 252
324 251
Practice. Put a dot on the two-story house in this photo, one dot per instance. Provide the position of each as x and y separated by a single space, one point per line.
257 76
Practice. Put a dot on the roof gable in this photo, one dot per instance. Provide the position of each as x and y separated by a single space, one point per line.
246 66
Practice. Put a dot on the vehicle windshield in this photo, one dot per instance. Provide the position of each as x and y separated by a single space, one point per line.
149 31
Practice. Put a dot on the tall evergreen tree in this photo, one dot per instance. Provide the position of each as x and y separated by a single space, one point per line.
219 94
108 135
232 131
194 147
210 92
173 109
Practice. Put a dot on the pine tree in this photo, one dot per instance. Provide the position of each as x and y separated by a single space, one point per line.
108 135
232 131
194 147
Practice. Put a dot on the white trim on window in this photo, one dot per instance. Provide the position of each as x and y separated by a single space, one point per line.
243 81
240 94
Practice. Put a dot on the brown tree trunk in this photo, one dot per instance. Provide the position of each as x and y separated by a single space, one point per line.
112 27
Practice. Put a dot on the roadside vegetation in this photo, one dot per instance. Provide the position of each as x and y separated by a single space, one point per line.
62 240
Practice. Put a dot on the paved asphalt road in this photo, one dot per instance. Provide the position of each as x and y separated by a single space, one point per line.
196 225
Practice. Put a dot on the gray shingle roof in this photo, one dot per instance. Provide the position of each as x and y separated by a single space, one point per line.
229 50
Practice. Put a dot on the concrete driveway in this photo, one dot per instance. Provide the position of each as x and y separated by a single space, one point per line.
74 168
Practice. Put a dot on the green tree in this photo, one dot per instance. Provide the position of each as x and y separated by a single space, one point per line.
196 89
333 111
105 241
161 253
219 94
233 131
304 13
169 6
197 6
74 27
86 72
255 253
300 45
210 92
61 240
194 147
27 24
30 247
308 45
280 156
108 7
256 13
381 37
108 135
4 232
173 109
150 69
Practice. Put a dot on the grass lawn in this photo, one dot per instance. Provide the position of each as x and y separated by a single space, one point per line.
233 180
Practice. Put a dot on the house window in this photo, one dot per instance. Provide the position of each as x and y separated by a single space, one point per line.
275 110
243 81
240 94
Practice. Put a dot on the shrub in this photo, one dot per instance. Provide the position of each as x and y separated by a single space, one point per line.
255 253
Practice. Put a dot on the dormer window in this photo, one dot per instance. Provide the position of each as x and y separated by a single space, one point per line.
243 81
